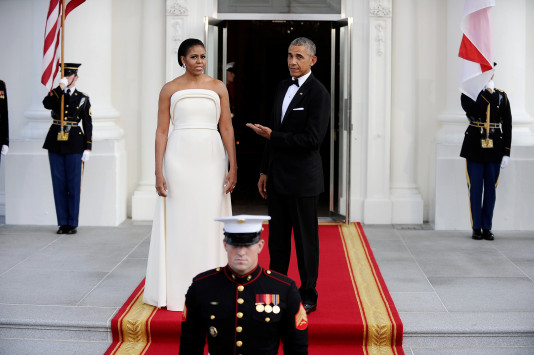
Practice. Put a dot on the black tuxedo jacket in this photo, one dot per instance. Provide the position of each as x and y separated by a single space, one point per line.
291 158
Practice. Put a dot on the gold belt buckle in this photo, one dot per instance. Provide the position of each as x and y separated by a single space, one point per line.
487 143
62 136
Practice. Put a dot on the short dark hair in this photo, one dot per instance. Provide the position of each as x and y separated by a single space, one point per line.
185 46
306 42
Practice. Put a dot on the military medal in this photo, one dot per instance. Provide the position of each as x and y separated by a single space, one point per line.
268 303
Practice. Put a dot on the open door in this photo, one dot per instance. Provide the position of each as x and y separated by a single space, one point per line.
340 125
215 38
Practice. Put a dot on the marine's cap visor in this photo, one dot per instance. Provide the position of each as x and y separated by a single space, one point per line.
244 239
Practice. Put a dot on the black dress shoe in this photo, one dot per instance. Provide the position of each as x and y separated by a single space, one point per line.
477 235
309 307
486 234
72 230
62 230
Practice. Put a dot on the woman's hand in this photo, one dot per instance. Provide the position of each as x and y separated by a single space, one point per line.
230 181
161 185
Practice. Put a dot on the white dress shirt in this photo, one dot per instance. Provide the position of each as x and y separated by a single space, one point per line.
291 91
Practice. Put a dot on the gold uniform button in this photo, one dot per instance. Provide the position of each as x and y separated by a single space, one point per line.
239 329
67 105
233 277
269 272
267 319
239 314
240 288
212 317
240 301
239 343
218 269
249 277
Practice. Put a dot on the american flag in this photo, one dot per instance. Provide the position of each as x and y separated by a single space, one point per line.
476 47
51 52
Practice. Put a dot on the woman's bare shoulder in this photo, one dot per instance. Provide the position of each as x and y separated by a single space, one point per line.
172 86
217 86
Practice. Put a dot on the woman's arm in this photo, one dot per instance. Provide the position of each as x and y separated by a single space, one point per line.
227 135
162 133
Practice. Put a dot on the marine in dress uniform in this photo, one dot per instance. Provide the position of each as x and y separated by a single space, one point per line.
68 146
4 123
243 308
486 148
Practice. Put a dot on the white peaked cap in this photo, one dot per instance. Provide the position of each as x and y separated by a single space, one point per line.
243 223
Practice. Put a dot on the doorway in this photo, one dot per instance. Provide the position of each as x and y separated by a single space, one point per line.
257 51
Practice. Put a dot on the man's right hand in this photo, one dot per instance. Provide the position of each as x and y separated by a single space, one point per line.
262 186
63 83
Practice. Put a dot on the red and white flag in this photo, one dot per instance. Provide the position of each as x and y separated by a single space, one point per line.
51 52
476 48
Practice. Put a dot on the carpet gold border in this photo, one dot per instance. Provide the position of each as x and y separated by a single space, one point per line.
134 326
376 312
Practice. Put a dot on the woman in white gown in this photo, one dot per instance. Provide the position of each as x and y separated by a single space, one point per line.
192 180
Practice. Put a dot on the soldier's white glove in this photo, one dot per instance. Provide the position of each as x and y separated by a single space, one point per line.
490 85
5 148
505 161
86 155
65 83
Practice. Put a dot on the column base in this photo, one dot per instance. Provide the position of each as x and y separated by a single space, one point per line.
377 211
29 197
143 202
515 192
407 206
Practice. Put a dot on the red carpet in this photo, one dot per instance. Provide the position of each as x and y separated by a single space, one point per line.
355 313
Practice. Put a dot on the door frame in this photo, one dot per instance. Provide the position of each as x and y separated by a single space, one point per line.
217 27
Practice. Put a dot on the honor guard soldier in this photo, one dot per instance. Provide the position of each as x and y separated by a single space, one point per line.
242 308
486 148
4 125
69 146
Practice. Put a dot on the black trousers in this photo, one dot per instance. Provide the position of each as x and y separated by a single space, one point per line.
297 214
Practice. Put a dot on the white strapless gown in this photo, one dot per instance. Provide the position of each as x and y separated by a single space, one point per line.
185 239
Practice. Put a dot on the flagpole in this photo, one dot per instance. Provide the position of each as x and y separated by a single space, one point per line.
62 115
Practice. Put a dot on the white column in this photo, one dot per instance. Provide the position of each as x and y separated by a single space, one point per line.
514 191
509 19
407 202
153 77
377 205
103 197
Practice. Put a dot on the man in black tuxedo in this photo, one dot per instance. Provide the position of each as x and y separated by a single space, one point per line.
291 176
